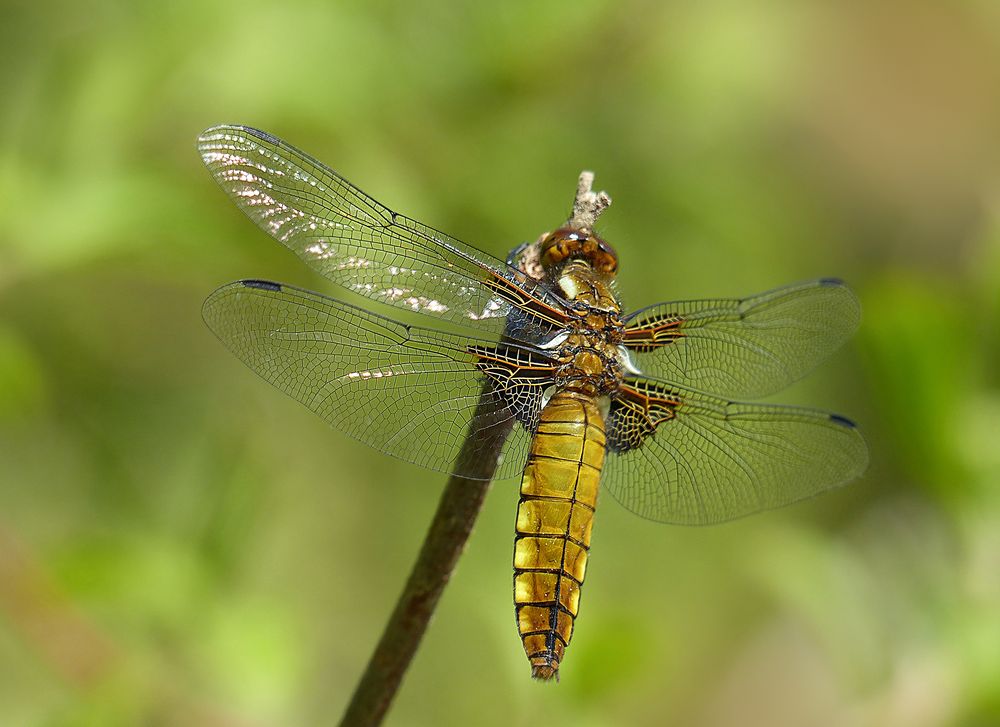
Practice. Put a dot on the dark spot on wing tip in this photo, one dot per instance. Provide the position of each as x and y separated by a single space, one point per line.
831 281
263 135
262 284
843 421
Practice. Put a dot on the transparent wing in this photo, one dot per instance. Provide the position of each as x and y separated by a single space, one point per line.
744 348
687 458
364 246
407 391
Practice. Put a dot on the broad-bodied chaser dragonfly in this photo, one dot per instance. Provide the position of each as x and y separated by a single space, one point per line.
595 396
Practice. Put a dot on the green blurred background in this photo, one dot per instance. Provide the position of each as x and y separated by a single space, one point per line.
182 545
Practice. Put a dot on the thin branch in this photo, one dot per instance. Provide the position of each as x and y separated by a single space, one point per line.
588 205
456 513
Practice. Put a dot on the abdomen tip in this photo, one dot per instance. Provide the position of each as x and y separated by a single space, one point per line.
545 672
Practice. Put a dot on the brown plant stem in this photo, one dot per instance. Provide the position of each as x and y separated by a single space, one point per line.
456 513
450 529
588 205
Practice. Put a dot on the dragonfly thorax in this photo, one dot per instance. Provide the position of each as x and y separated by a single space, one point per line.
588 351
588 363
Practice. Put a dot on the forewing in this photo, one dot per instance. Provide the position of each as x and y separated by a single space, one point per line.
361 244
407 391
745 348
683 457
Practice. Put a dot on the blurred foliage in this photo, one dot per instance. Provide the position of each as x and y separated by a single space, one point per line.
181 545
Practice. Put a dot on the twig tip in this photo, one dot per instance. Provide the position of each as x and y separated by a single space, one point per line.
588 205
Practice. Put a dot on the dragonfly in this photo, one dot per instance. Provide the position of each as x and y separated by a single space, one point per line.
648 405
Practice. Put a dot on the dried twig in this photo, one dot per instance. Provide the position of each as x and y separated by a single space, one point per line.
457 511
588 205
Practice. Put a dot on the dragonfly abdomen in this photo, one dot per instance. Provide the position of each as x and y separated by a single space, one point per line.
554 518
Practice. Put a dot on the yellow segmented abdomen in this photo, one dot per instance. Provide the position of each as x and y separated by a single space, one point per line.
554 519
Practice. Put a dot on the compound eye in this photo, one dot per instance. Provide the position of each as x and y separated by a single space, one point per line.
560 245
565 243
611 257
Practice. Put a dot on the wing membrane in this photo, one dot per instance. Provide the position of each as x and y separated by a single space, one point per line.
361 244
744 348
693 459
407 391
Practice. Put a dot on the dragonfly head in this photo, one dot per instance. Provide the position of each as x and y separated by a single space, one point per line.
564 244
